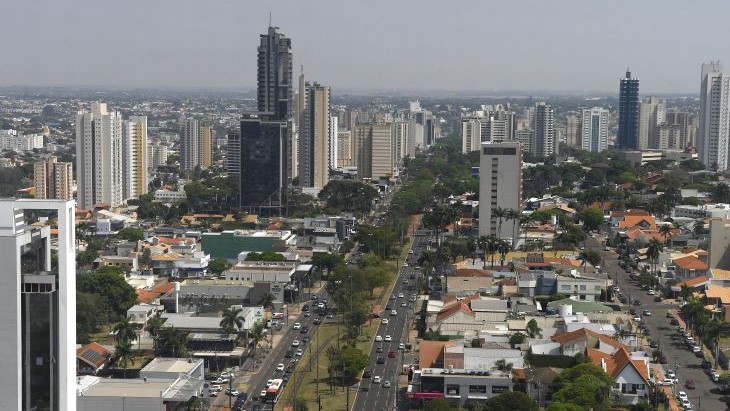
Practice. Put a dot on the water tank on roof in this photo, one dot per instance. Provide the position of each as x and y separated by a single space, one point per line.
566 310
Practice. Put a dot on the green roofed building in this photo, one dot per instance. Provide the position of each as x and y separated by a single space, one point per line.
228 244
581 306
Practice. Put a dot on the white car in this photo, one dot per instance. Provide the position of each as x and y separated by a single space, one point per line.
696 349
410 251
297 326
685 403
400 295
651 292
682 395
295 343
401 346
393 312
262 394
280 367
667 382
403 304
378 338
299 353
385 321
376 379
226 374
672 375
388 338
221 380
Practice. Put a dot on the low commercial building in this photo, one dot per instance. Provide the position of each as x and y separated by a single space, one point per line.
457 385
228 244
139 394
171 368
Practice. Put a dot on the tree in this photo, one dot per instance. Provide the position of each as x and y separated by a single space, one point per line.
348 195
123 355
91 314
219 266
108 283
514 216
585 385
267 300
592 218
499 213
173 342
666 231
300 404
125 331
591 257
438 404
503 247
130 234
154 327
255 335
511 401
652 252
533 330
354 362
502 364
231 322
562 406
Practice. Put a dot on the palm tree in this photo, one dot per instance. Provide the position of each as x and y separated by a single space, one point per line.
471 245
173 342
153 327
503 247
666 231
255 335
499 213
124 331
503 365
653 250
492 246
524 220
514 216
123 354
482 242
699 227
427 260
231 322
267 300
712 334
583 257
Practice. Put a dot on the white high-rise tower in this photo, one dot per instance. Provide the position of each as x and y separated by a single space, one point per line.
714 130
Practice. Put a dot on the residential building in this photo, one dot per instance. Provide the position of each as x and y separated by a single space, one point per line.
668 137
545 143
233 153
344 149
314 144
205 148
652 113
374 151
631 374
11 140
53 180
39 308
594 129
628 113
500 185
573 131
471 134
719 247
134 157
156 155
189 145
92 358
332 137
274 80
99 168
687 123
714 128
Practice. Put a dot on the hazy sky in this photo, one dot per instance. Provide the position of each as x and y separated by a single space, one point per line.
367 44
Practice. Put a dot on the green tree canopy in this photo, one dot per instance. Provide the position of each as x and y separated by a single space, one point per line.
130 234
349 195
108 284
265 256
511 401
592 218
219 265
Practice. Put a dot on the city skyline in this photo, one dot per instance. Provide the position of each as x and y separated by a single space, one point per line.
429 47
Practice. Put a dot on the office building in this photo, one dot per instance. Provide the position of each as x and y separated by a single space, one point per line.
314 136
205 148
545 143
373 149
134 157
344 149
500 185
669 137
687 123
189 145
714 130
38 312
274 85
401 133
628 113
652 113
53 180
594 129
264 164
99 166
233 153
156 155
471 134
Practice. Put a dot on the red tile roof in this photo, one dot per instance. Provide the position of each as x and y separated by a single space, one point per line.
690 262
93 354
693 282
615 363
455 308
584 333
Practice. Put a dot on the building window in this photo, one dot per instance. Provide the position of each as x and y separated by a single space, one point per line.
452 389
477 389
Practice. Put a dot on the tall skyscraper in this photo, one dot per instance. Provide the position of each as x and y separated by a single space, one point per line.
274 88
545 143
652 113
628 113
572 131
99 157
471 134
314 135
373 149
205 148
189 145
38 309
344 148
334 128
267 146
53 180
500 185
714 130
134 157
594 129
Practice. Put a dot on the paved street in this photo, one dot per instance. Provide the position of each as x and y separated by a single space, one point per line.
686 365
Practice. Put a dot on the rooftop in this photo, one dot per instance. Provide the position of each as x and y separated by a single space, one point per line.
171 365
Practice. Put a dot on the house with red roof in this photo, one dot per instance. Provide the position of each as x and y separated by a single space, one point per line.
92 358
631 375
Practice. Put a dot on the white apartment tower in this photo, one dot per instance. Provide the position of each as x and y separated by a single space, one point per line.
652 113
714 130
594 129
545 143
134 157
471 134
189 145
53 180
333 129
500 185
99 166
314 137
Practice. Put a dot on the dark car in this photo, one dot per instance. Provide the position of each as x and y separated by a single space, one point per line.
637 302
304 330
391 354
657 299
288 354
305 307
632 311
317 321
653 344
706 364
663 360
689 384
379 349
289 369
305 339
285 378
367 374
380 360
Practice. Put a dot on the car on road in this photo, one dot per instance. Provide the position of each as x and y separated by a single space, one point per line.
297 326
393 312
262 394
380 360
391 354
401 346
658 299
285 378
379 349
673 321
671 374
388 338
651 292
403 304
304 330
295 343
405 281
378 338
410 251
268 383
232 392
386 384
637 319
307 314
280 367
376 379
299 353
653 344
317 321
667 382
290 368
367 374
385 321
305 307
685 403
682 395
637 302
401 295
221 380
227 374
689 384
646 312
